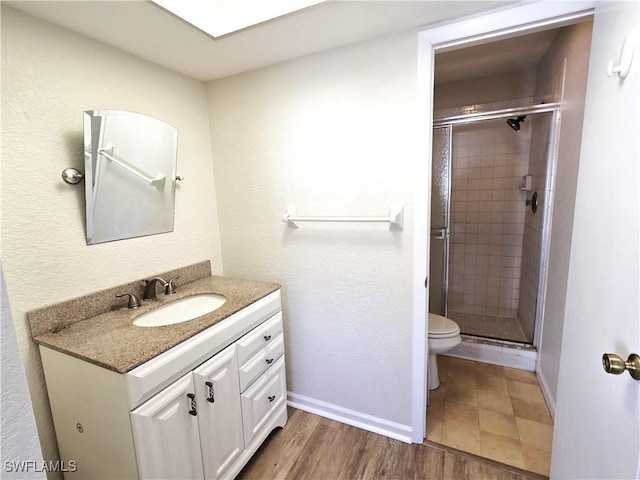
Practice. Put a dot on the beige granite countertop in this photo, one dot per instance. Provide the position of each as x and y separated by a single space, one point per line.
112 341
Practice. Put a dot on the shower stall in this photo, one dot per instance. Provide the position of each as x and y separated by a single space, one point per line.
491 205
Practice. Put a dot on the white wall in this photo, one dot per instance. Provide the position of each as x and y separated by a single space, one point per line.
18 436
571 45
49 77
331 134
596 412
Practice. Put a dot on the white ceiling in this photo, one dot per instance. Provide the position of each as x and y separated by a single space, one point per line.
146 30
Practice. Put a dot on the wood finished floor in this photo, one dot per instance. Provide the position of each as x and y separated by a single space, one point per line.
315 448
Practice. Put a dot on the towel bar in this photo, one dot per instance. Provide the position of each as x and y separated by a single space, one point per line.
395 218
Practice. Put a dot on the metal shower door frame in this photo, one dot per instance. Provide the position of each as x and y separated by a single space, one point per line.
547 221
443 232
547 213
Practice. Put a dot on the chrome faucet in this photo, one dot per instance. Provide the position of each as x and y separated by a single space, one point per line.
150 288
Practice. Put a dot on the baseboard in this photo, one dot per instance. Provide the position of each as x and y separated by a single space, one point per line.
350 417
523 359
546 393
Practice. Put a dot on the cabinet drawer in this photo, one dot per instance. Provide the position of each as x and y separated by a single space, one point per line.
258 338
262 399
262 360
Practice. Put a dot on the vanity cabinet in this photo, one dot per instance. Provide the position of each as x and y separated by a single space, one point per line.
262 400
219 413
199 410
166 436
192 428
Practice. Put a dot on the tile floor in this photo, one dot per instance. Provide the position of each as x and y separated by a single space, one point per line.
491 411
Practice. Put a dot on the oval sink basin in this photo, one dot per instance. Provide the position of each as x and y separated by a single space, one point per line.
181 310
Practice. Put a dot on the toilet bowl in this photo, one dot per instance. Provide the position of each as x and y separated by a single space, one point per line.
444 334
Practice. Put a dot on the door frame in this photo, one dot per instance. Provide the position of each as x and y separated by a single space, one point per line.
503 23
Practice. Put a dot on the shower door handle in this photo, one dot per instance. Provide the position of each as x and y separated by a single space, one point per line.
439 233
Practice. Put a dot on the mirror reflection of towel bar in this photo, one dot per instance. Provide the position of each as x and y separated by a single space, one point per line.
158 181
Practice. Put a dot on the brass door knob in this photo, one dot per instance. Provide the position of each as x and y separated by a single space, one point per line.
615 365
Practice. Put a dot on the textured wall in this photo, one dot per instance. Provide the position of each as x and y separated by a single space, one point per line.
18 437
332 135
49 76
572 45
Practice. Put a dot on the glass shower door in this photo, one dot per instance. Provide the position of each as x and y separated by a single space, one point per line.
440 195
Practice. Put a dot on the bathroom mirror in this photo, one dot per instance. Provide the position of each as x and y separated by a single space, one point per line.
130 175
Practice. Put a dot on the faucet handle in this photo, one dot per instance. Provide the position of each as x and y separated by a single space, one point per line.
134 302
169 289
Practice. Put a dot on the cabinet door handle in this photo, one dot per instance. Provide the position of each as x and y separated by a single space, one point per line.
194 406
267 338
269 361
211 397
271 398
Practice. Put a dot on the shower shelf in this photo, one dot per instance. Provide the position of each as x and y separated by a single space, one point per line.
525 184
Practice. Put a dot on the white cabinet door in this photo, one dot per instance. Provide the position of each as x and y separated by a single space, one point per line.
219 414
165 431
262 399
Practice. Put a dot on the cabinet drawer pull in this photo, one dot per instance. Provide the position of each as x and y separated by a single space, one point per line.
194 407
269 361
267 338
271 398
211 397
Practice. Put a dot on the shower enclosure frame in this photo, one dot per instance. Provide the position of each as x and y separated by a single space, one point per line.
547 213
480 116
444 231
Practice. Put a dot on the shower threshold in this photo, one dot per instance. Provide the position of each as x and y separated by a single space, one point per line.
496 327
497 342
522 356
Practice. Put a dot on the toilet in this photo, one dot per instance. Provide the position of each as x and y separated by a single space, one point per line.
444 334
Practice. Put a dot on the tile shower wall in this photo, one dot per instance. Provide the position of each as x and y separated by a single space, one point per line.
487 222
